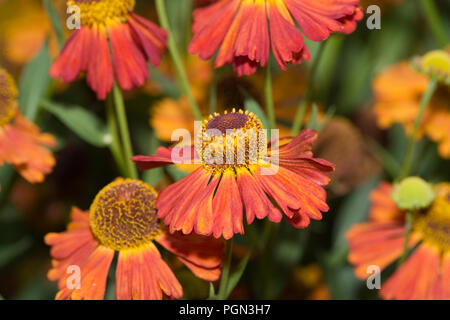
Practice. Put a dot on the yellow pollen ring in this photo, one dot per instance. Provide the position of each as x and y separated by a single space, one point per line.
100 12
230 140
123 215
8 97
434 223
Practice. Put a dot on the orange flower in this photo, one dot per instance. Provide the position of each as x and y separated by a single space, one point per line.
112 42
212 198
123 218
21 143
398 91
426 273
244 30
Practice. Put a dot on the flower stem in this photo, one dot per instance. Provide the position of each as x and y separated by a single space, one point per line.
301 109
406 167
115 146
408 227
222 294
269 97
124 131
162 14
434 21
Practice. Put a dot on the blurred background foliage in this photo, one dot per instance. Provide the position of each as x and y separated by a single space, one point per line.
296 264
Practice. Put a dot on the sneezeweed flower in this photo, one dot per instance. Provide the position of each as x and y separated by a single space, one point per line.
398 92
380 241
246 30
123 218
21 143
112 43
234 174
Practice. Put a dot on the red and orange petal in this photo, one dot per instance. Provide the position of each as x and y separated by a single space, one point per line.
383 208
131 45
397 93
212 202
376 243
26 148
245 30
141 272
420 277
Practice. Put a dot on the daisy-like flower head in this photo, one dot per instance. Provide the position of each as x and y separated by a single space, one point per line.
246 30
123 218
380 241
398 91
112 43
21 143
237 172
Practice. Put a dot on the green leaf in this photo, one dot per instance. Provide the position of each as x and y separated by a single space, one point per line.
236 276
82 122
212 291
34 83
312 123
253 106
11 251
169 87
328 115
56 23
155 175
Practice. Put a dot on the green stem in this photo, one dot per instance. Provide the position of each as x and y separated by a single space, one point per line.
301 109
115 146
222 294
434 22
409 220
269 97
124 131
162 14
406 167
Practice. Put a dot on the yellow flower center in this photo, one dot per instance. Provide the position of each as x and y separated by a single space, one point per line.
102 11
123 215
8 97
434 224
231 140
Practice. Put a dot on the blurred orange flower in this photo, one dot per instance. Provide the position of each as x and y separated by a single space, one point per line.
123 218
21 142
245 30
112 43
398 91
426 272
212 198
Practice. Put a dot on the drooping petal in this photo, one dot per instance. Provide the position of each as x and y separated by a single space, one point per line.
93 277
151 38
129 63
210 25
417 277
227 207
142 275
376 243
317 19
287 41
253 38
74 56
255 201
100 76
203 255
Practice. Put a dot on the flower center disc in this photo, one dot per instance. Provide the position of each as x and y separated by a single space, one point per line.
231 140
435 223
8 97
101 11
123 214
